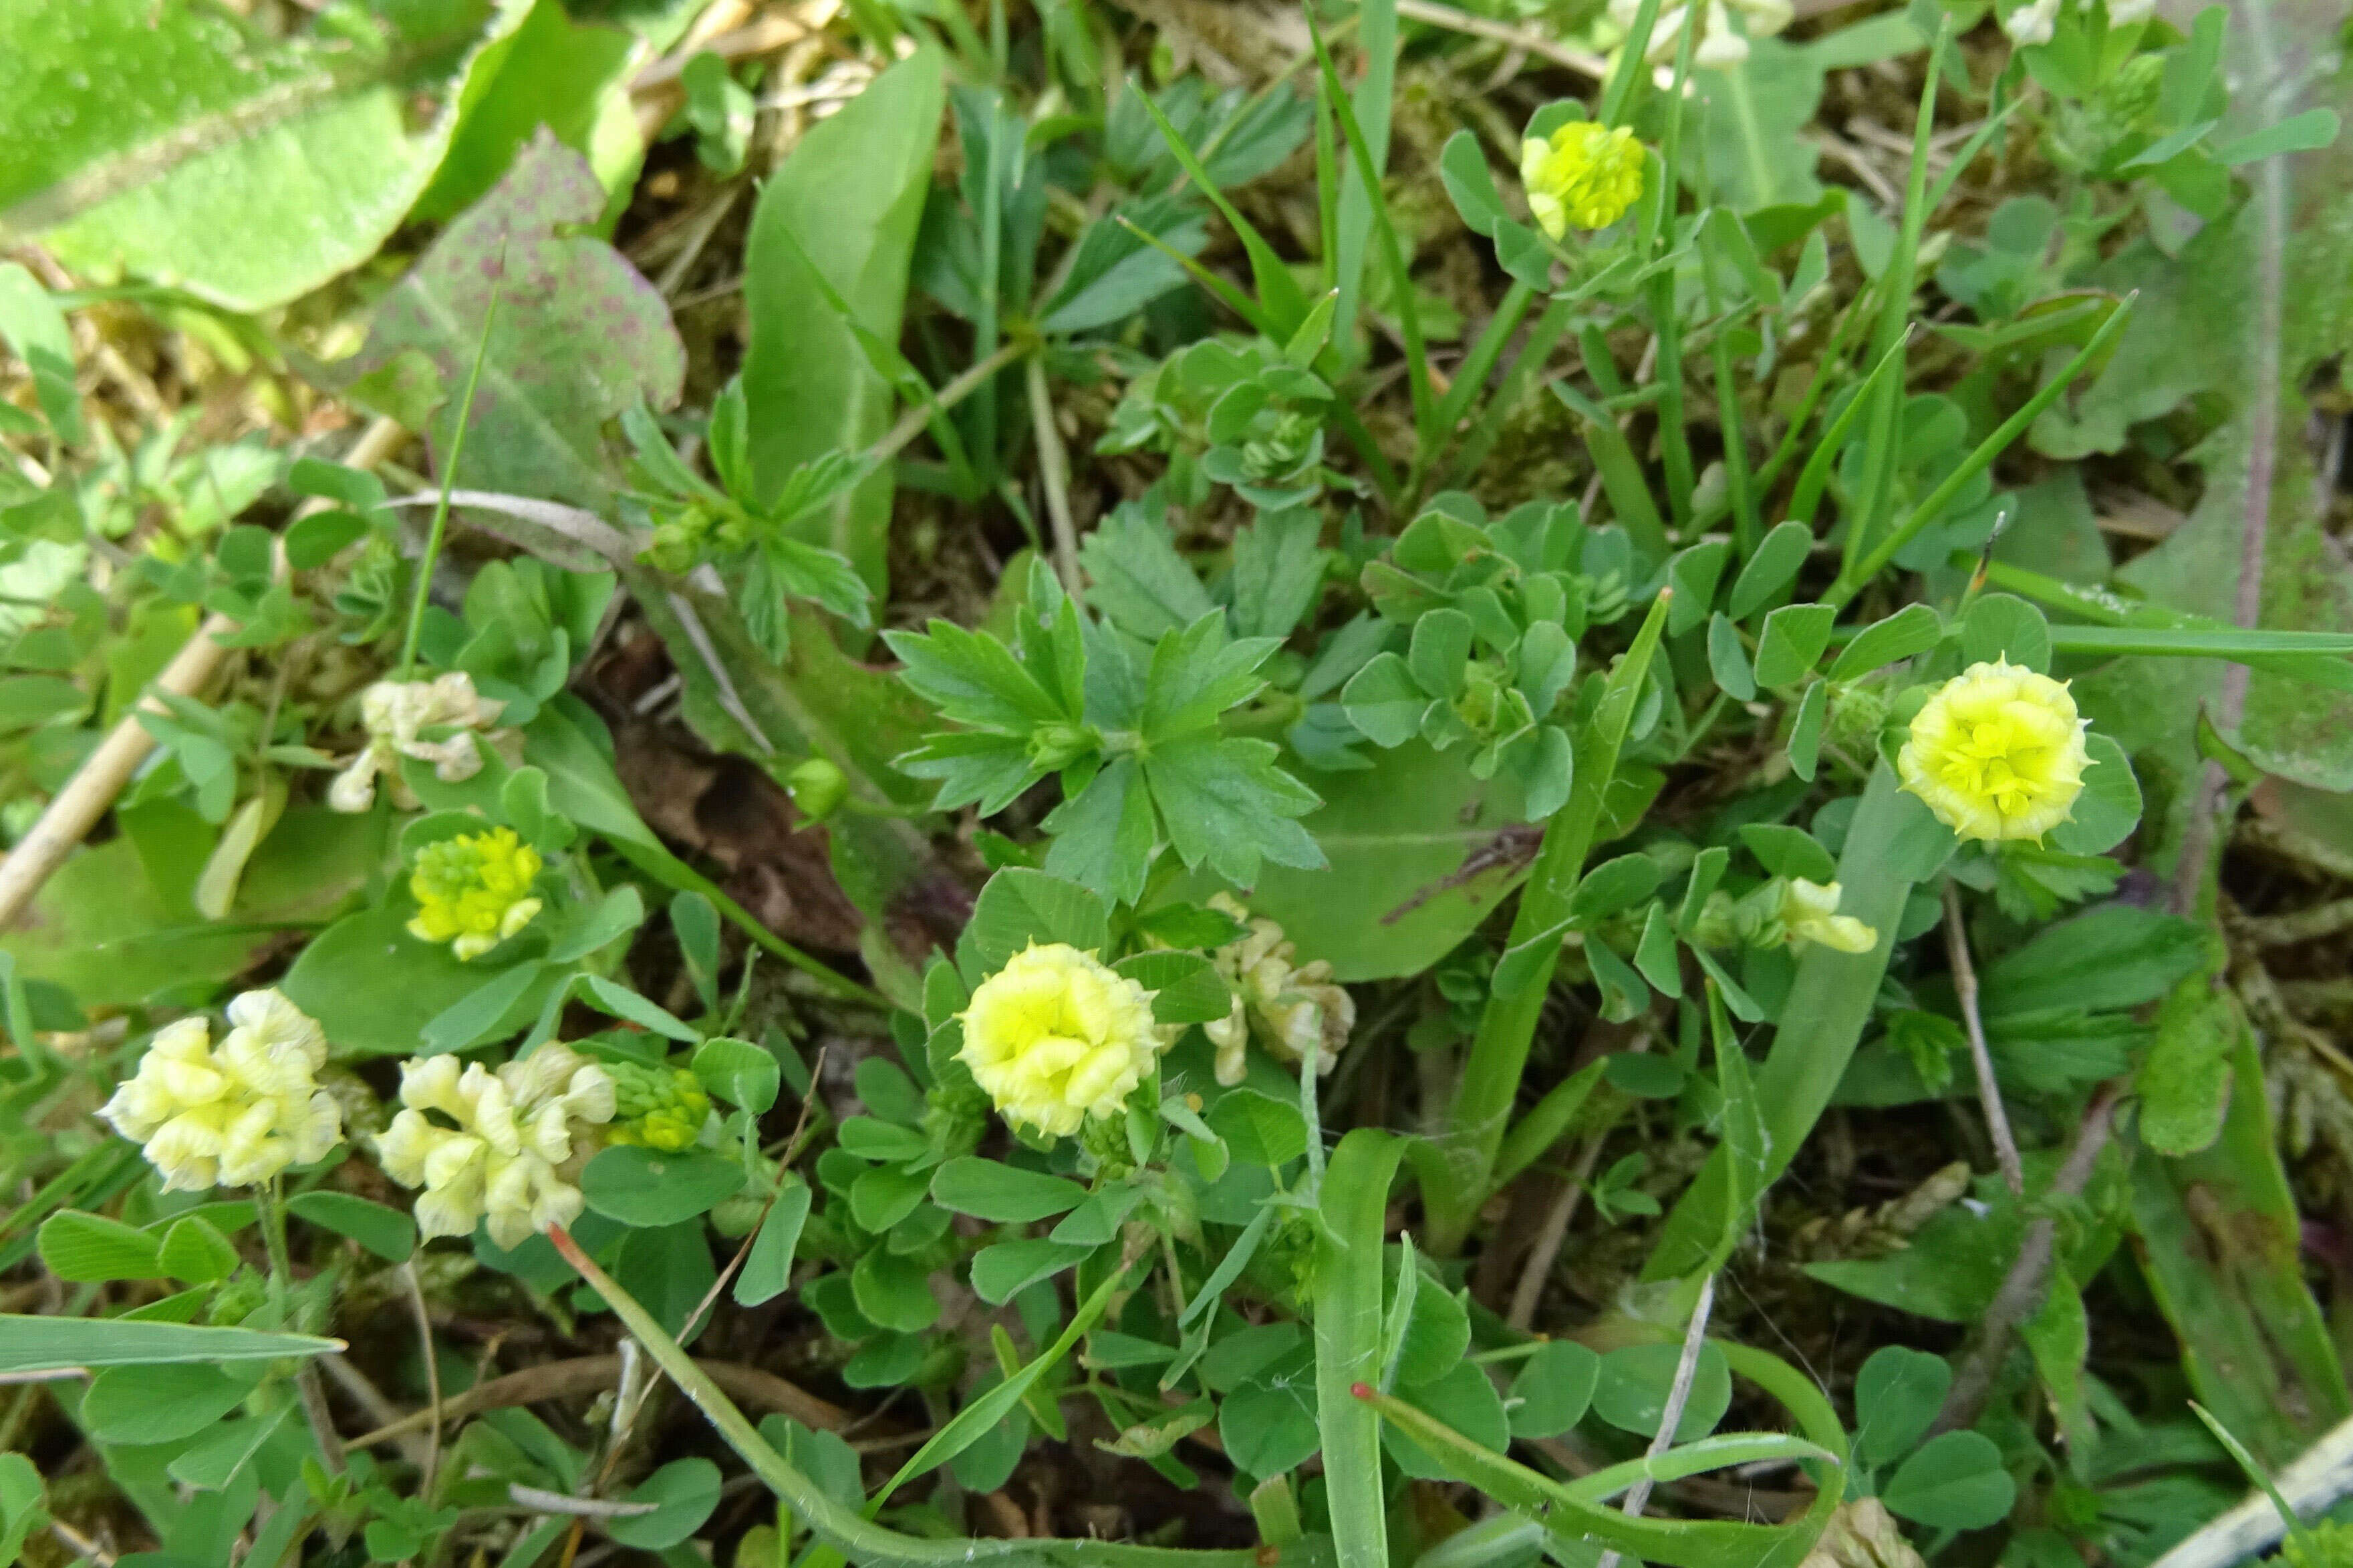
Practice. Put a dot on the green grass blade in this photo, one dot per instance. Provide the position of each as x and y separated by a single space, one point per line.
1622 479
1681 1543
31 1343
1365 119
1816 475
1895 313
1891 845
1367 167
844 1528
1851 578
1459 1168
1348 1341
1278 294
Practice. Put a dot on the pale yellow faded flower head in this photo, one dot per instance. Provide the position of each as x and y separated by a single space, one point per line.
508 1148
1293 1008
1809 915
1057 1035
397 714
235 1116
1584 176
1998 752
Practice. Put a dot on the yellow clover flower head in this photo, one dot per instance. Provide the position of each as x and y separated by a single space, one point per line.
1809 915
1584 176
1998 752
507 1146
657 1108
235 1116
1057 1035
473 892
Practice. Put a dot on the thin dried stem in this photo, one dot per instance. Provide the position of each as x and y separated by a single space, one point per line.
1678 1397
1964 987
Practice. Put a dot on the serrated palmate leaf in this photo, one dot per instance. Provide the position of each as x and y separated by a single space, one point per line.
1197 674
973 678
973 766
1224 802
1103 835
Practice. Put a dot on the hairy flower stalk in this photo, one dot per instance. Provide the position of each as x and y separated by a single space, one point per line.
507 1146
1998 752
1584 176
1057 1036
1293 1008
443 721
473 892
235 1116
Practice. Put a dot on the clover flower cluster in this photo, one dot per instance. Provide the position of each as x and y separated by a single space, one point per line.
236 1115
503 1147
662 1107
1583 174
443 721
473 892
1057 1036
1295 1009
1998 752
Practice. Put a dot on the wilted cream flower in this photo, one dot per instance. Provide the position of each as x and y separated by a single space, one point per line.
396 714
236 1116
1809 915
1057 1035
473 892
1722 45
509 1152
1998 752
2032 24
1292 1008
1583 174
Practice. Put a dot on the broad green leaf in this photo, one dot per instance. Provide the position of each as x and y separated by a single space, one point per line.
377 990
1552 1392
1896 1396
195 1253
1019 906
159 1404
844 203
574 335
387 1232
88 1249
683 1493
1912 630
1631 1390
1006 1195
549 71
767 1270
1756 114
1794 637
1955 1481
1771 570
41 1343
100 929
738 1072
175 142
1259 1128
2184 1081
650 1187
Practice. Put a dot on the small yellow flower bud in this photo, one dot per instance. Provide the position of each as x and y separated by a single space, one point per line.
1057 1036
1809 913
507 1148
473 892
236 1116
657 1108
1585 175
1998 752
